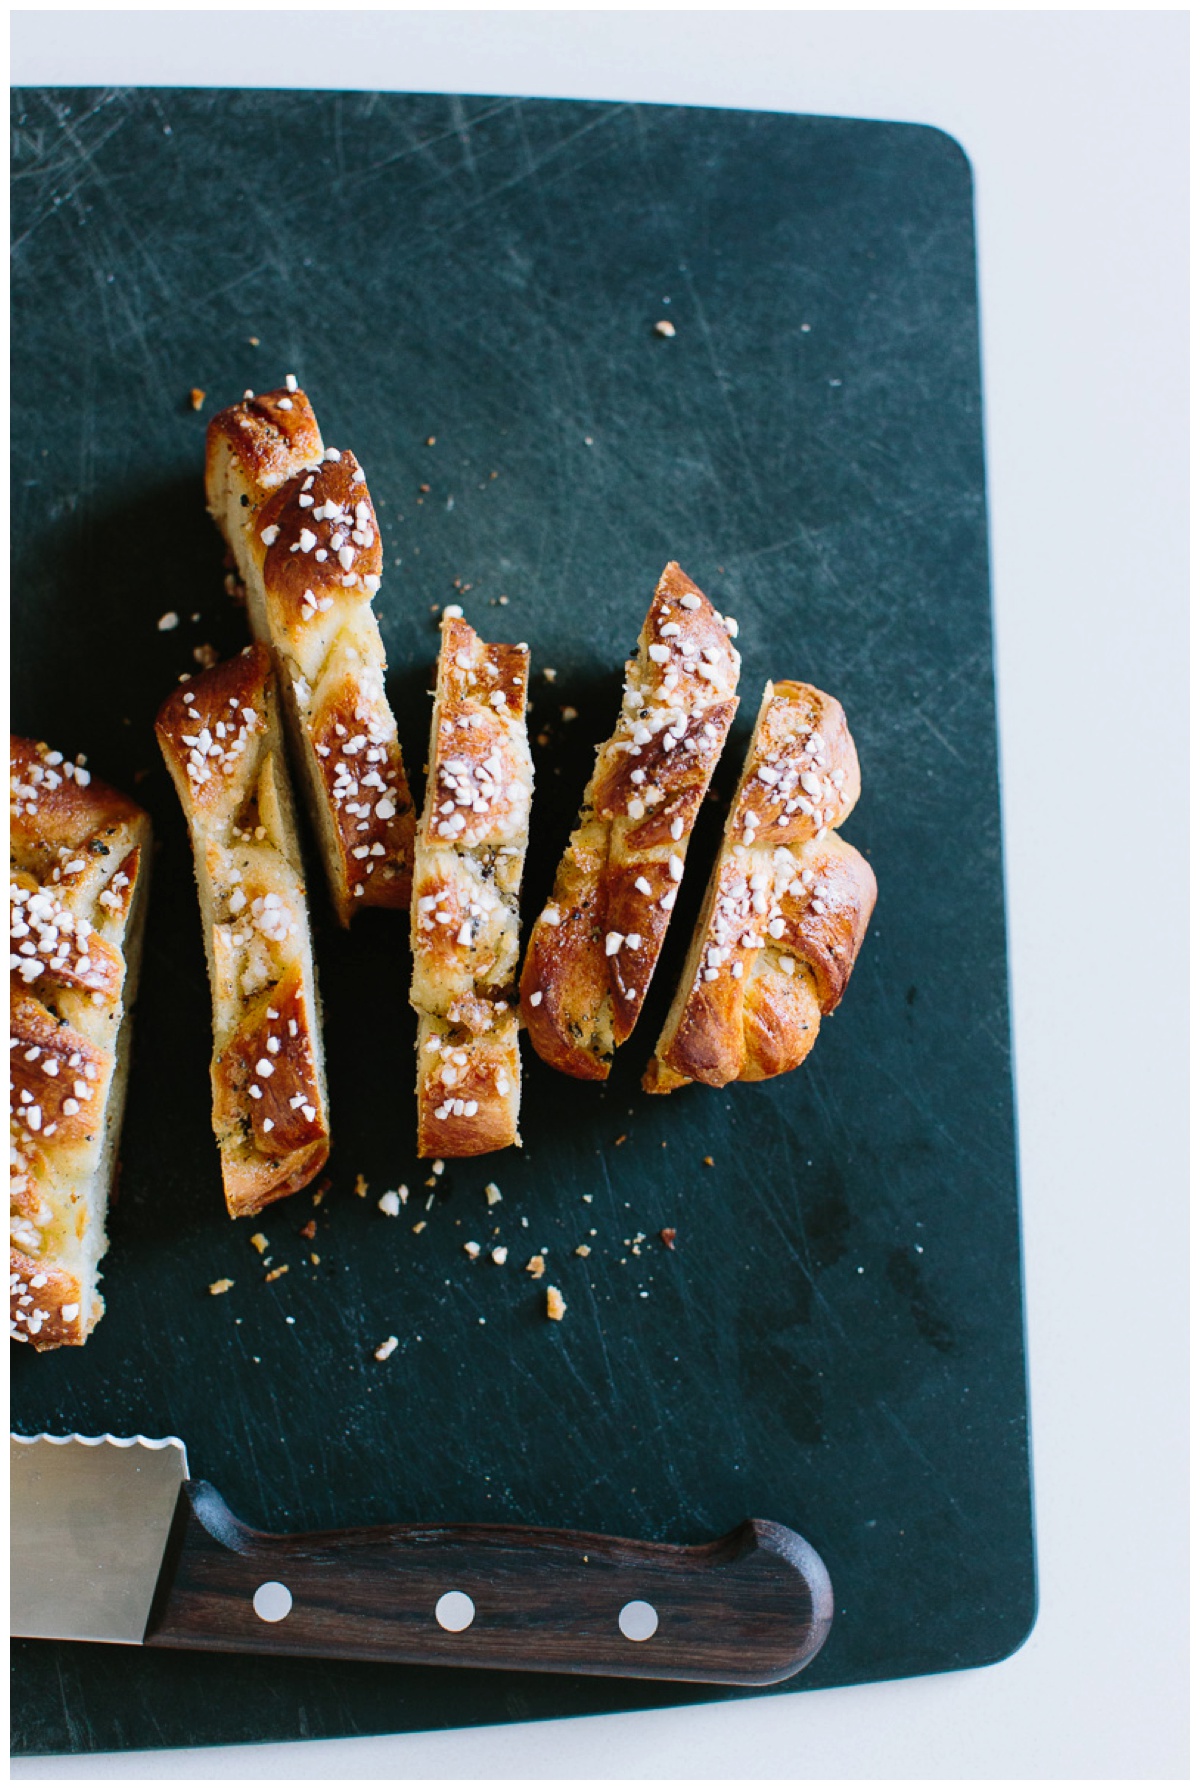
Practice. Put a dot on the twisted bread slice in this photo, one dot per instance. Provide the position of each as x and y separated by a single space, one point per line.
596 943
470 851
80 864
221 740
297 517
786 910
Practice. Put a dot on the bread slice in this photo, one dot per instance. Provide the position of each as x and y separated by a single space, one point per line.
470 852
787 906
298 520
220 736
80 865
595 944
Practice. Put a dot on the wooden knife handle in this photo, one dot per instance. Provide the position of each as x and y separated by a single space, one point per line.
751 1608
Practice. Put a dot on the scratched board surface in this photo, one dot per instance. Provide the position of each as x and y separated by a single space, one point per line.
468 289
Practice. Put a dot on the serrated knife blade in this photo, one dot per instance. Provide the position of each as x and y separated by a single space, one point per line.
90 1518
113 1541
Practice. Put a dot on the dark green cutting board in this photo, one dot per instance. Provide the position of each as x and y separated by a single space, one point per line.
836 1340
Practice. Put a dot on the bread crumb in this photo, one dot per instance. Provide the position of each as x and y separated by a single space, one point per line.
360 1186
471 1249
583 1249
418 1228
431 441
220 1286
587 1199
500 1255
276 1272
668 1237
622 1137
568 713
205 656
556 1305
389 1204
387 1347
709 1163
315 1260
259 1241
439 1167
322 1189
493 1194
549 674
309 1230
536 1265
253 341
664 327
196 397
168 621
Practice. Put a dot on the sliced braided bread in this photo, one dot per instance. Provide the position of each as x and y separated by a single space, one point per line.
298 519
221 739
470 852
595 944
787 906
80 864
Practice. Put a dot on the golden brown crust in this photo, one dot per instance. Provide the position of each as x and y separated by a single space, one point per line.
787 906
270 436
79 866
468 1085
270 1112
595 945
470 852
308 549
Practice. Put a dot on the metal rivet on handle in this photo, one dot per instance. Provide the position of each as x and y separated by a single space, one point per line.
638 1620
455 1611
272 1601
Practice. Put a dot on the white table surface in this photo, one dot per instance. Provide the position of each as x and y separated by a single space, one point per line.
1076 123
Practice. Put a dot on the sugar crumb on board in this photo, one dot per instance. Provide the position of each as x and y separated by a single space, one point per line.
387 1347
492 1194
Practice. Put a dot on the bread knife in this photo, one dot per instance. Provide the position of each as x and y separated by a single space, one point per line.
111 1540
